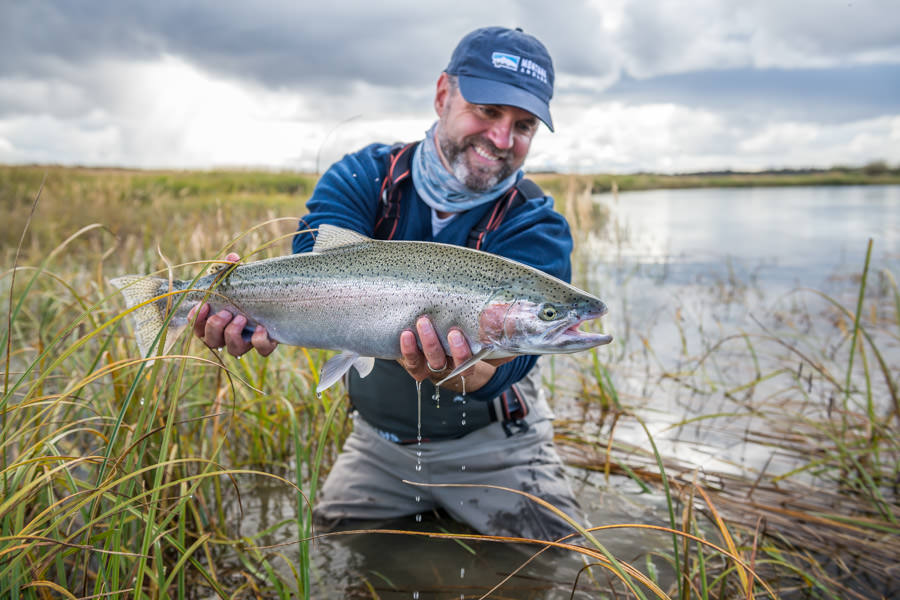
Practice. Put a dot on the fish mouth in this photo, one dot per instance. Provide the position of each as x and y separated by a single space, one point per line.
570 337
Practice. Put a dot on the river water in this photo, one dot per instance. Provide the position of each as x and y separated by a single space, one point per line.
679 269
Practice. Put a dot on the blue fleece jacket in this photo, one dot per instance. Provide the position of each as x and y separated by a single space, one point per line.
347 195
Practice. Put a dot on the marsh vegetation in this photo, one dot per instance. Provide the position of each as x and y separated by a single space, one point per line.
759 458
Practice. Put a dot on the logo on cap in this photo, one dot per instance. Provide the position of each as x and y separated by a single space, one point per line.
502 60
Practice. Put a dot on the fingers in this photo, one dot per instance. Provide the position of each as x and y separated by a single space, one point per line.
199 324
413 360
261 341
234 340
460 351
431 345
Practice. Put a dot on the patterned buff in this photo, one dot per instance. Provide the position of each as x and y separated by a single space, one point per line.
440 189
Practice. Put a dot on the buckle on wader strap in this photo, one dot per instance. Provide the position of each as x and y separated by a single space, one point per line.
510 415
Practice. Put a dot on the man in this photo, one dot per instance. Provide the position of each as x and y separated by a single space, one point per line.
460 185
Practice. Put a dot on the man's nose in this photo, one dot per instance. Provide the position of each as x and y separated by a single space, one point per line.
501 133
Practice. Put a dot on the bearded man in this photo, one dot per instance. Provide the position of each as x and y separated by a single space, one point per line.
462 185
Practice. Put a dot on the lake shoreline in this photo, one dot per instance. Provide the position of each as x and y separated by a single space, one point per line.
259 179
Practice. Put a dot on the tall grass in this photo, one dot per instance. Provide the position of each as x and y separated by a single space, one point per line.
125 478
115 473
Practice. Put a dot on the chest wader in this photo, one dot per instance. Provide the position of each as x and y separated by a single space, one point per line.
387 397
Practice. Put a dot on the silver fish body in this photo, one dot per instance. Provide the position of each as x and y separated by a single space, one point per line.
356 295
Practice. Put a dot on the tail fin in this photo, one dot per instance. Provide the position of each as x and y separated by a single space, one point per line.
149 318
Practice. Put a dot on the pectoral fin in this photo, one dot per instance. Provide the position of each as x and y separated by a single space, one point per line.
336 366
481 354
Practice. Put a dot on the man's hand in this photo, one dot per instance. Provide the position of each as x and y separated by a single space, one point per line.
431 362
224 329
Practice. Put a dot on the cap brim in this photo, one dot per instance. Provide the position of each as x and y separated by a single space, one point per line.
476 90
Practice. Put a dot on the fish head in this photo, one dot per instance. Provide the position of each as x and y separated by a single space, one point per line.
538 324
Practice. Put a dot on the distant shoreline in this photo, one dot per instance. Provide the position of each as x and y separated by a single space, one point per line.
876 174
260 180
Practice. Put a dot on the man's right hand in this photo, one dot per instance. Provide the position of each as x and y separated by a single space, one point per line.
225 330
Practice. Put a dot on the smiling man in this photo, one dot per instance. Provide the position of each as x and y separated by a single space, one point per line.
461 185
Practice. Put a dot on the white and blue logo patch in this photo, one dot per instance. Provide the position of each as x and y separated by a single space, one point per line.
502 60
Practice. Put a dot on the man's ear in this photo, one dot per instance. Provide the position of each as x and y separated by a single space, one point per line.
442 94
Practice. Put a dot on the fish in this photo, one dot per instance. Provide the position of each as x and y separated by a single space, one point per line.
354 294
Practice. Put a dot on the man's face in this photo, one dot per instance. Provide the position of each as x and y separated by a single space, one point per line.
481 144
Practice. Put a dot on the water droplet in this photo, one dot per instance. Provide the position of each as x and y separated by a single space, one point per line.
462 468
415 595
419 518
419 453
418 467
418 498
463 422
462 572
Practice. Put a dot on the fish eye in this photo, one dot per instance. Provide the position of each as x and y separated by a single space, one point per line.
548 312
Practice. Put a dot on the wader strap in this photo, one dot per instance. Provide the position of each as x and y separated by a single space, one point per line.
524 190
400 169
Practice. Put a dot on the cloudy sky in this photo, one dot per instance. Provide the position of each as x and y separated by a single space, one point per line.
649 85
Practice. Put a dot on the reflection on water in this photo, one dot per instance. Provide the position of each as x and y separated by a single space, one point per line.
797 235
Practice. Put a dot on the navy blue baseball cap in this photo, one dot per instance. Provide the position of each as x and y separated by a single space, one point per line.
496 65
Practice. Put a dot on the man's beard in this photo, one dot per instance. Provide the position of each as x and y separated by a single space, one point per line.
474 178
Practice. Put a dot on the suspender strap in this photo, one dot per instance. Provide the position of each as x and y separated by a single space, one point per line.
524 190
399 170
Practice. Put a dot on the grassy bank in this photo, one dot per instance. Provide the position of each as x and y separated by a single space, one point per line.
120 478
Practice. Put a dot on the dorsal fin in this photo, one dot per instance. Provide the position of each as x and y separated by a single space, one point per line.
332 236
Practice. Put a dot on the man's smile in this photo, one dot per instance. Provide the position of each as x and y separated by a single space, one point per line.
485 153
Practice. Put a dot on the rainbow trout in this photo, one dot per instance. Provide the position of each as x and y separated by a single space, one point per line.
356 294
